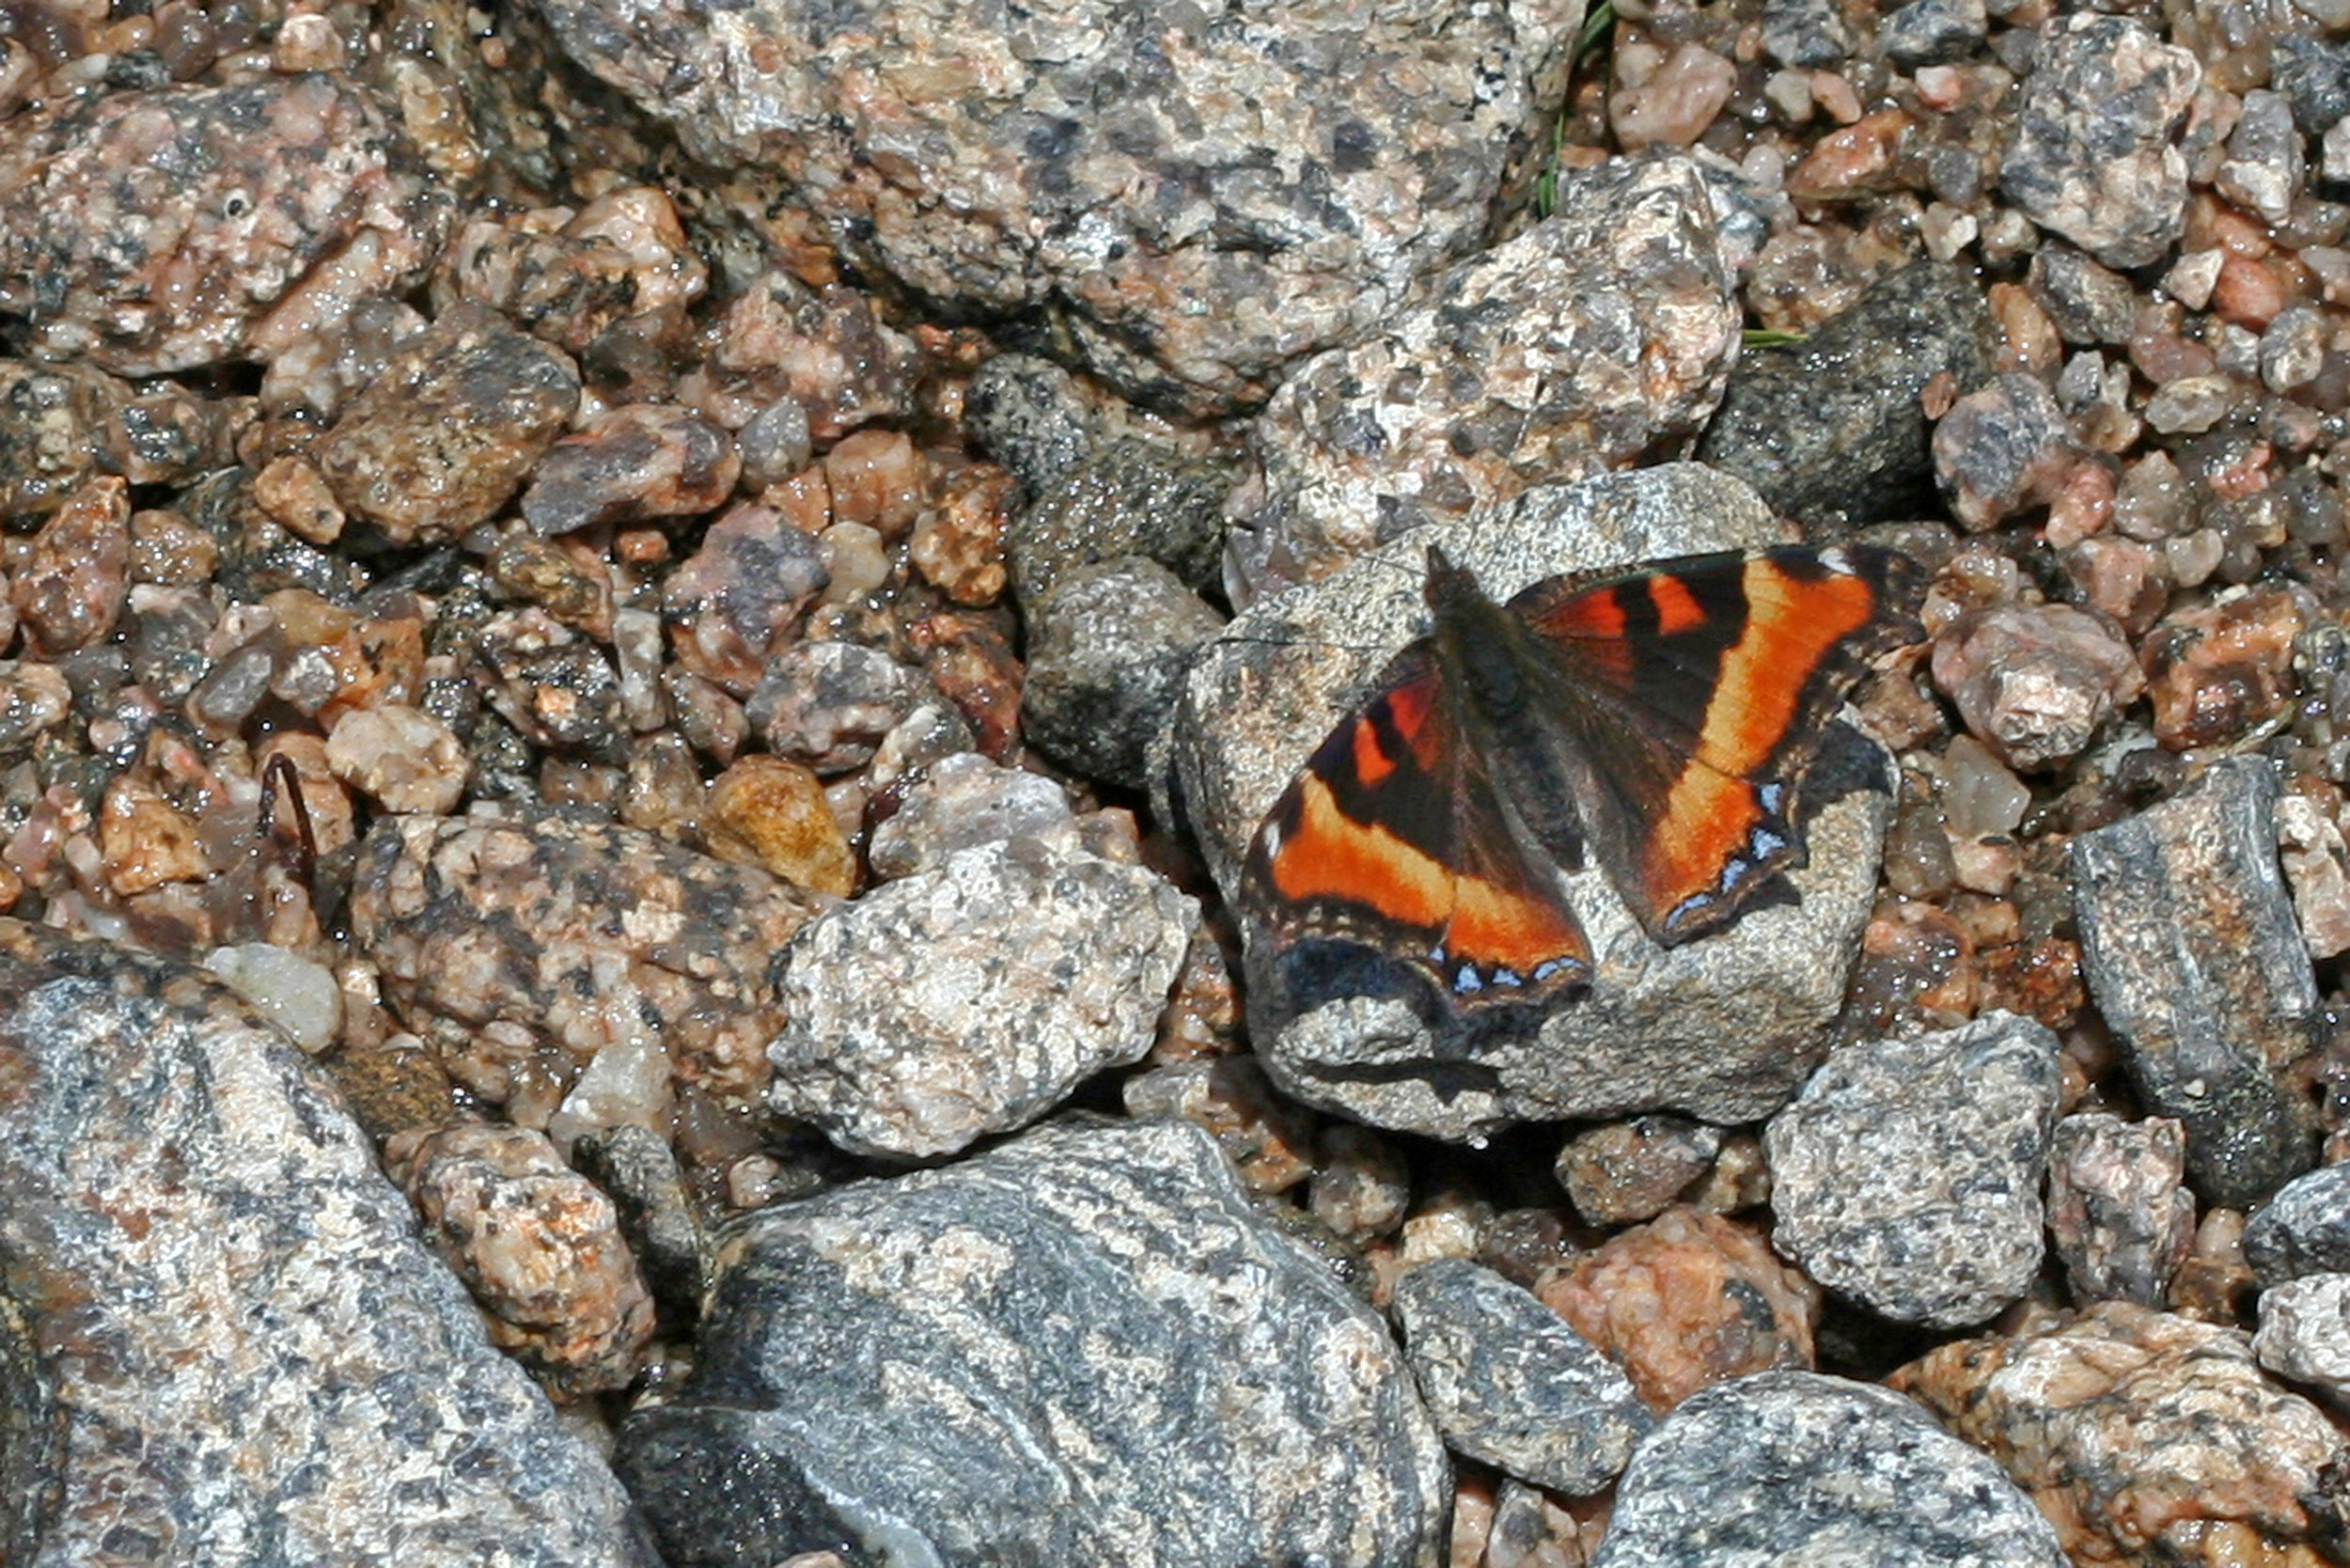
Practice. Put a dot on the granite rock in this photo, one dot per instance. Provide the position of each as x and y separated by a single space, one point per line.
2118 1212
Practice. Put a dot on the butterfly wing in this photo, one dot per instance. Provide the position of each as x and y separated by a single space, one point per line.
1392 838
1693 698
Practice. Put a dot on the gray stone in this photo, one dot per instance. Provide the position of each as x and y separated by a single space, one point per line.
2088 303
1804 32
2304 1229
964 801
830 704
1107 650
1722 1029
1088 1345
972 998
2264 165
2117 1211
1794 1468
1907 1173
2304 1334
638 1171
2314 73
1026 413
1126 498
1830 431
2193 957
1183 200
222 1340
1587 343
2093 157
1933 32
1509 1383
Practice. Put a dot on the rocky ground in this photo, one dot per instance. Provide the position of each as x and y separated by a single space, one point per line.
639 644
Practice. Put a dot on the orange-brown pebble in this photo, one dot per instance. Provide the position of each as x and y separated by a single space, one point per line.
69 593
769 812
958 543
1850 162
1685 1301
878 480
169 550
2247 293
292 494
2216 671
2029 340
145 841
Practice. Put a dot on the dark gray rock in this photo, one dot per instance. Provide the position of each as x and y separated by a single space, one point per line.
2314 73
2002 449
1933 32
1125 498
2088 303
639 1172
1804 32
1026 413
1030 1356
224 1341
1830 431
1183 201
2117 1211
1794 1468
1510 1384
2093 157
971 999
1722 1029
2192 954
2304 1229
1592 341
1907 1173
1106 654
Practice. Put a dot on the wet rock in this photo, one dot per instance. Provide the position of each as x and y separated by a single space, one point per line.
623 257
1106 654
2035 683
1125 498
400 757
148 232
557 689
1268 1140
279 1350
2193 957
538 1244
972 998
628 464
2264 167
2146 1437
1722 1029
825 349
1628 1171
2304 1334
1907 1173
2117 1211
965 801
1590 341
1244 192
2217 672
2086 302
448 431
1687 1300
1831 429
638 1171
52 432
1933 32
294 992
1791 1466
1511 1385
2002 450
942 1362
2093 158
1027 415
1804 32
2304 1229
732 603
829 704
70 590
498 939
767 812
2313 74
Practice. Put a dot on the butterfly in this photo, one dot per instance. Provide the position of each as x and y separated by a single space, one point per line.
1661 723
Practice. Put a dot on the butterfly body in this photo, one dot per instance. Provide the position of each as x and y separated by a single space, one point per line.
1661 723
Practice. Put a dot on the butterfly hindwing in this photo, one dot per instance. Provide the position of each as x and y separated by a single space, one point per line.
1392 838
1693 698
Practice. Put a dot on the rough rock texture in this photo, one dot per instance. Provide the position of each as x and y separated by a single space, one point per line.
1907 1173
2192 954
1193 198
2147 1438
1628 1171
1685 1301
2305 1334
539 1247
2035 683
1123 498
2093 158
152 230
448 432
499 937
1830 429
223 1341
971 999
1794 1468
2117 1211
963 802
1107 649
1593 339
1722 1028
2304 1229
1028 1356
1512 1385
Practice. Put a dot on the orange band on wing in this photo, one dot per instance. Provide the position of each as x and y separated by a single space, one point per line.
1677 609
1497 928
1794 624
